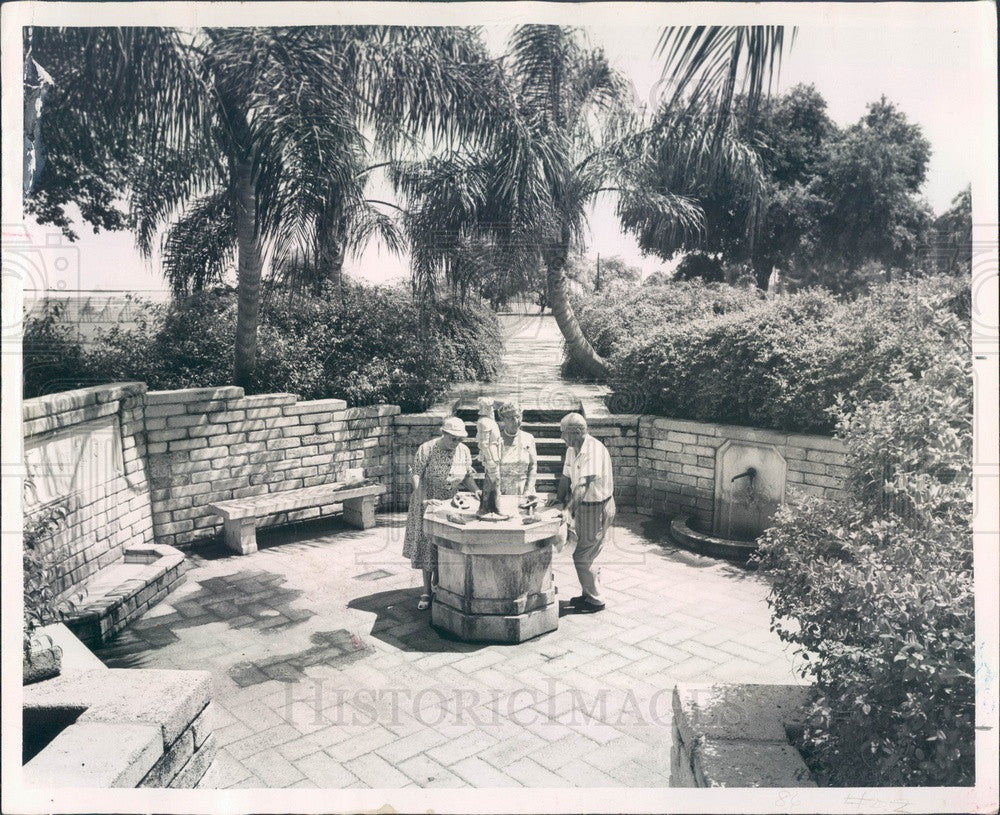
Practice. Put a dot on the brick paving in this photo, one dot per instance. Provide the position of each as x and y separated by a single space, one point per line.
326 675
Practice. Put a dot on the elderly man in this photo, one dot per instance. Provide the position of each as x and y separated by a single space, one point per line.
587 490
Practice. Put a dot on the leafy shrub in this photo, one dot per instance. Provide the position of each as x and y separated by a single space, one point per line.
52 356
41 604
781 363
877 591
616 322
367 345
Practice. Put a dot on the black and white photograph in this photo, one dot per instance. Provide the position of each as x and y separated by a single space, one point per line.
500 407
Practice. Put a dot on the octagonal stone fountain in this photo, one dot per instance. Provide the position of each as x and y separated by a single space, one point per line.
494 577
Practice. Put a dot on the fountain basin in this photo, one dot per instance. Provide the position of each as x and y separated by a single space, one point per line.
684 533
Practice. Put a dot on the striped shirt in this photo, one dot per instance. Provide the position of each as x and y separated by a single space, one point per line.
594 460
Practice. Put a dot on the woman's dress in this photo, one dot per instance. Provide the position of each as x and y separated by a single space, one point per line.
517 459
435 465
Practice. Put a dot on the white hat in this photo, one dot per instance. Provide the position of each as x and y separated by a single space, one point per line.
454 426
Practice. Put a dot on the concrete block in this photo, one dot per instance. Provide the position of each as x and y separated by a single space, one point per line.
187 395
816 442
188 420
315 406
263 414
197 765
79 756
167 699
268 400
170 434
203 725
718 763
164 410
171 762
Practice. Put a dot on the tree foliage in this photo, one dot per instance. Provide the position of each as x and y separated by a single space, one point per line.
842 205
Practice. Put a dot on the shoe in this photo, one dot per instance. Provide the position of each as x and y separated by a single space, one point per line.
584 603
425 602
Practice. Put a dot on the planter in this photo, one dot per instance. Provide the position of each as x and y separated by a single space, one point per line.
42 662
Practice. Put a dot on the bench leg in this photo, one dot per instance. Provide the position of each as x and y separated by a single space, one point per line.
360 512
241 535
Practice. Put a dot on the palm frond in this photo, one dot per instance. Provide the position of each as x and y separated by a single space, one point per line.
200 247
706 64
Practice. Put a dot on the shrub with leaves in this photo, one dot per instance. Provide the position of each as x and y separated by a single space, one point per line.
783 363
616 321
365 344
41 605
877 591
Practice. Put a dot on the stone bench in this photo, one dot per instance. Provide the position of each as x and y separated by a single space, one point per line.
240 515
125 591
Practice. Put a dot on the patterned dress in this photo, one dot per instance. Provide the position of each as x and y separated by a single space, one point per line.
434 464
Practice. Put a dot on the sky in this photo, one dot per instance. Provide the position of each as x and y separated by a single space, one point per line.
927 70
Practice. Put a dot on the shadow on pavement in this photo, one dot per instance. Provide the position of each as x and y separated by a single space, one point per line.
401 625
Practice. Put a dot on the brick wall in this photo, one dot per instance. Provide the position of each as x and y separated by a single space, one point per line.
215 444
676 464
114 511
183 450
619 433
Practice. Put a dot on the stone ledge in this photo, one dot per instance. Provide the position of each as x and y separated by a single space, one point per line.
735 735
63 401
167 699
193 395
131 728
124 591
79 756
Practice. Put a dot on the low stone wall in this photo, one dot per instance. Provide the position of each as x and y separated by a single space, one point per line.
130 728
736 736
216 444
181 450
86 449
676 463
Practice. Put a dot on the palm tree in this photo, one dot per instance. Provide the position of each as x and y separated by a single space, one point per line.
566 135
258 131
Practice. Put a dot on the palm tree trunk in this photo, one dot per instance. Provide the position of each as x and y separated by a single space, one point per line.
249 264
330 249
580 349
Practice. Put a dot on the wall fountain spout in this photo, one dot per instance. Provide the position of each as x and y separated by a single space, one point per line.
750 473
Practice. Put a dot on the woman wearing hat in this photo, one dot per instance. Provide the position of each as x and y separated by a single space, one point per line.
440 468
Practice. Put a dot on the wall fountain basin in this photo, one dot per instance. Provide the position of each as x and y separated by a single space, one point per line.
685 532
749 487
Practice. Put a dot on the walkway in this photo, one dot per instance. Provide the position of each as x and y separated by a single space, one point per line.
326 675
532 360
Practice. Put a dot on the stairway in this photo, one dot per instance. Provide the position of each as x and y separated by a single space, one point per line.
544 426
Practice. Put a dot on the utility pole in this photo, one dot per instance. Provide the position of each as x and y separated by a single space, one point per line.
597 283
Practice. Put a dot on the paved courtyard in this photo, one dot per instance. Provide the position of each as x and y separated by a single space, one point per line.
326 675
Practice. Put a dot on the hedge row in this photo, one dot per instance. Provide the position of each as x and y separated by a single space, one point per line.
365 344
718 354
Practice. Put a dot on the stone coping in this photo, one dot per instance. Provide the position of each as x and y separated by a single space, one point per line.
65 401
76 657
130 720
734 735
